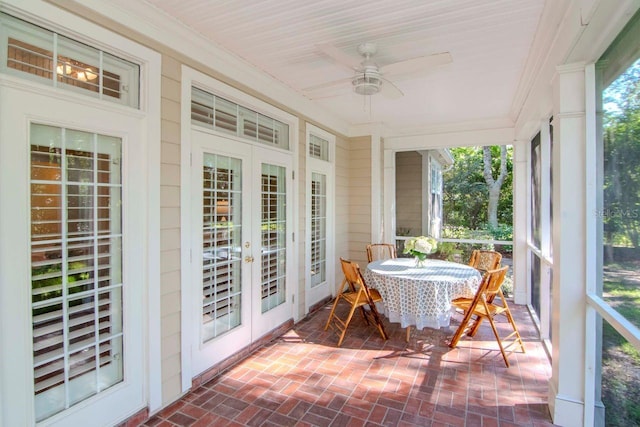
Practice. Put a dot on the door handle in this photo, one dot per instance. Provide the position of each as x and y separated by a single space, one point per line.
248 259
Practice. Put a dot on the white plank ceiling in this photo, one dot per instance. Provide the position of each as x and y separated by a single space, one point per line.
488 40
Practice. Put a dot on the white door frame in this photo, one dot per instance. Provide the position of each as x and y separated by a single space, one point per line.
36 106
149 116
189 293
326 168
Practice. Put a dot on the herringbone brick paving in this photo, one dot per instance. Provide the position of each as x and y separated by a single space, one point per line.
303 379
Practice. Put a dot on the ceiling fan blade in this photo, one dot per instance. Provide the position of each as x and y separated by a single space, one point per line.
389 90
421 64
339 56
326 85
328 89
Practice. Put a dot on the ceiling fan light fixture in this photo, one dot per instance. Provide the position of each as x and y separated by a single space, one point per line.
367 84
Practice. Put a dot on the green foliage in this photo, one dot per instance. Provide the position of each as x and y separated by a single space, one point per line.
507 286
448 251
621 360
50 277
621 186
466 197
620 216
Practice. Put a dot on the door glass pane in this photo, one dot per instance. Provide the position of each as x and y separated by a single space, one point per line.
318 228
536 183
534 272
221 240
318 148
273 231
76 266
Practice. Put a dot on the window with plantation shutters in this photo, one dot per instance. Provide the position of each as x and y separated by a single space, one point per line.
45 56
219 114
273 231
222 230
318 148
76 265
318 228
320 215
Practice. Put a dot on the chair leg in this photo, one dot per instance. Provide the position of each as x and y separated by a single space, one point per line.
335 303
331 313
460 331
377 319
495 332
408 332
515 330
346 325
474 328
364 314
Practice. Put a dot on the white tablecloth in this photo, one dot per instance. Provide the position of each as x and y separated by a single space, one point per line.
420 296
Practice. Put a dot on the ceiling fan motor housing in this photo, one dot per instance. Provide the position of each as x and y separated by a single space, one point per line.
367 82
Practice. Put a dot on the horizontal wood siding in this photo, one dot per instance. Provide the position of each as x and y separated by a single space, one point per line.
359 199
170 230
409 192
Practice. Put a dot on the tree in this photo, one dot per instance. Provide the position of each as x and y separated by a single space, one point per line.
466 195
463 198
494 185
621 213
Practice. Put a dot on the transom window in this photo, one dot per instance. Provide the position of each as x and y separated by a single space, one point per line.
219 114
42 55
318 148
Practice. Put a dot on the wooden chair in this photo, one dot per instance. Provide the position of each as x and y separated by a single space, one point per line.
483 306
376 251
355 292
485 260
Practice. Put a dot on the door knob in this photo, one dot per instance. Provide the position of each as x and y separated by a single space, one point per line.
248 259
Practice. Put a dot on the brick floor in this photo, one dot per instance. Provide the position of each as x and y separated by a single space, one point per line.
302 379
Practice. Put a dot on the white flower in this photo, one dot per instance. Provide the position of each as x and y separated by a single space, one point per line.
421 245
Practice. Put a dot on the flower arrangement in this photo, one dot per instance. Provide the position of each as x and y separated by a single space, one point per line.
420 247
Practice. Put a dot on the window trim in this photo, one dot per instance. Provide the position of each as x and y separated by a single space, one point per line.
326 167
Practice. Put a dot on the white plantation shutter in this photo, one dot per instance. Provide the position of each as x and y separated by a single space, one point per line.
45 56
273 232
318 228
318 148
228 117
221 238
76 272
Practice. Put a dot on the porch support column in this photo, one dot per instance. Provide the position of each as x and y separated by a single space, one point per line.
521 178
566 388
377 169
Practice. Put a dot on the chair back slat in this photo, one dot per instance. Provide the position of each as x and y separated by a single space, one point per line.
377 251
352 274
485 260
495 278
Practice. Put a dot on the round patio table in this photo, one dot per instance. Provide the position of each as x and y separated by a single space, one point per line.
420 296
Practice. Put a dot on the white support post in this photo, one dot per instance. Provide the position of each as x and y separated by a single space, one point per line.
520 222
389 196
566 388
377 219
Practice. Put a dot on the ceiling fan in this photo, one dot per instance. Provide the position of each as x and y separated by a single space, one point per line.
369 78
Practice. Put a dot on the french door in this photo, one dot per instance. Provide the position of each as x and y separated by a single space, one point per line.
241 245
72 261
